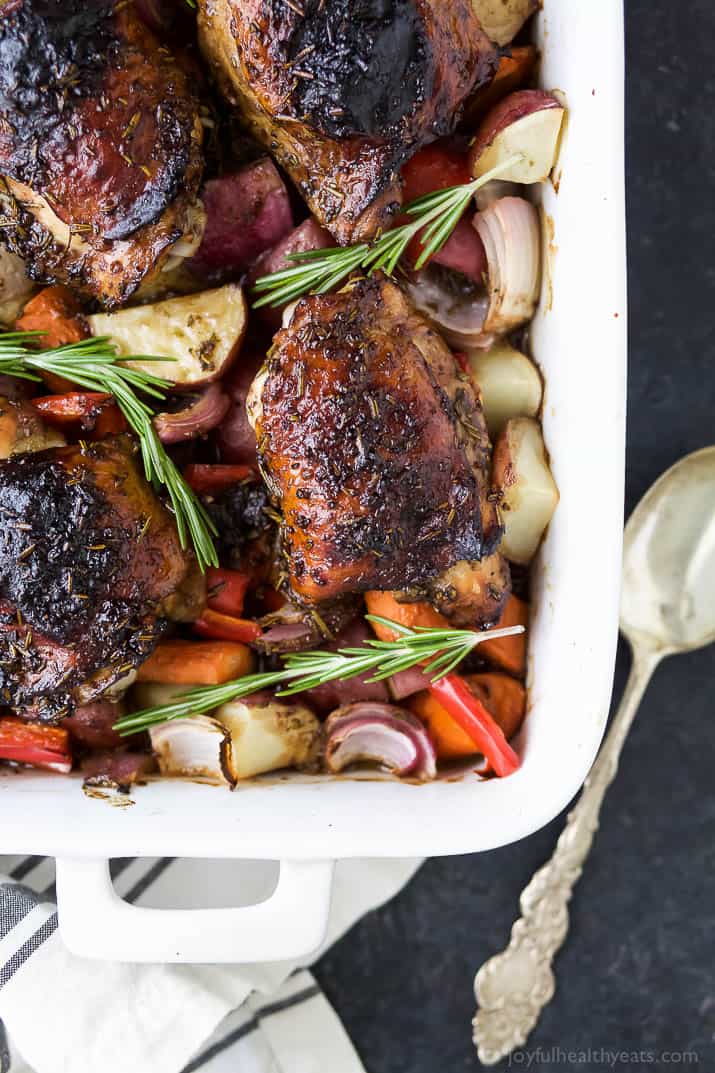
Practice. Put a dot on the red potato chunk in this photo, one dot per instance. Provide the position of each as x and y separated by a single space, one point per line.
307 236
247 213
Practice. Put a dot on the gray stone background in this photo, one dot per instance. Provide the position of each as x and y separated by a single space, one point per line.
637 970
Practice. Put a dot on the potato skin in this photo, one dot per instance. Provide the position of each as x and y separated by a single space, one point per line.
529 496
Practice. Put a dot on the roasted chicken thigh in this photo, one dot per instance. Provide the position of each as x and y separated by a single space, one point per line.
100 146
87 555
343 92
376 450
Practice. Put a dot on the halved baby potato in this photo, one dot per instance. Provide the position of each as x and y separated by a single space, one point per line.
521 473
509 383
200 334
523 128
502 19
268 734
238 740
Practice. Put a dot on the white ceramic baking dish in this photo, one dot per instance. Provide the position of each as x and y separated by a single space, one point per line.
579 341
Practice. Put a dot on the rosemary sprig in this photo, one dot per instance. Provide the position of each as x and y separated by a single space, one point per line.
95 365
440 650
317 271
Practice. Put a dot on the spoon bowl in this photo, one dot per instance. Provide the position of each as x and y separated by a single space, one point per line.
668 595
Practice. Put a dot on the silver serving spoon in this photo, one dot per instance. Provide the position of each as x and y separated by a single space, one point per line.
667 606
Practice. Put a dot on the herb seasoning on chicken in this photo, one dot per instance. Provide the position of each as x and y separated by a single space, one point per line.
100 146
375 447
343 93
87 555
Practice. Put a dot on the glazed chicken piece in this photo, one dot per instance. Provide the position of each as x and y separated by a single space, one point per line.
343 92
87 555
100 147
376 451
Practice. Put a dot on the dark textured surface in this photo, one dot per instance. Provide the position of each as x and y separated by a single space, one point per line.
637 970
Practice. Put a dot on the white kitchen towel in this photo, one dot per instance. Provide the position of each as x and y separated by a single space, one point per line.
64 1014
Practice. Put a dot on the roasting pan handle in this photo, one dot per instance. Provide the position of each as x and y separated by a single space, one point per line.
96 923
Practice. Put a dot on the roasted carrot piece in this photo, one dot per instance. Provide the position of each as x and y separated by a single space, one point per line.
506 652
56 312
385 605
504 696
514 70
509 652
226 627
205 663
450 741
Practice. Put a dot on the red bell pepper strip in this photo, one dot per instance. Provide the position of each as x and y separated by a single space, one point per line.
212 480
110 422
30 743
226 627
226 590
454 695
72 407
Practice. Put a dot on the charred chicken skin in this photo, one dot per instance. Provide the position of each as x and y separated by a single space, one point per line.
100 146
376 450
87 555
342 93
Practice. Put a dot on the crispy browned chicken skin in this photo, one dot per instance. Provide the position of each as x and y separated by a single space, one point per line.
100 146
87 555
376 450
342 92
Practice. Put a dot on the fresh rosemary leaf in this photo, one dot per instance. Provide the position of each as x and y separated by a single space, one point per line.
440 650
316 271
94 364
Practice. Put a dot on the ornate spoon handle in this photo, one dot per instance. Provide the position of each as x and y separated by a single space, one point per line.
513 987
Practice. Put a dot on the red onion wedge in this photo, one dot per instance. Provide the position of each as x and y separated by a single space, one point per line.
509 230
198 747
524 127
459 318
407 683
204 413
379 734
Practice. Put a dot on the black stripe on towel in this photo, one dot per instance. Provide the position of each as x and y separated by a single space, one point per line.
20 870
27 949
150 877
250 1026
286 1003
16 901
221 1045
